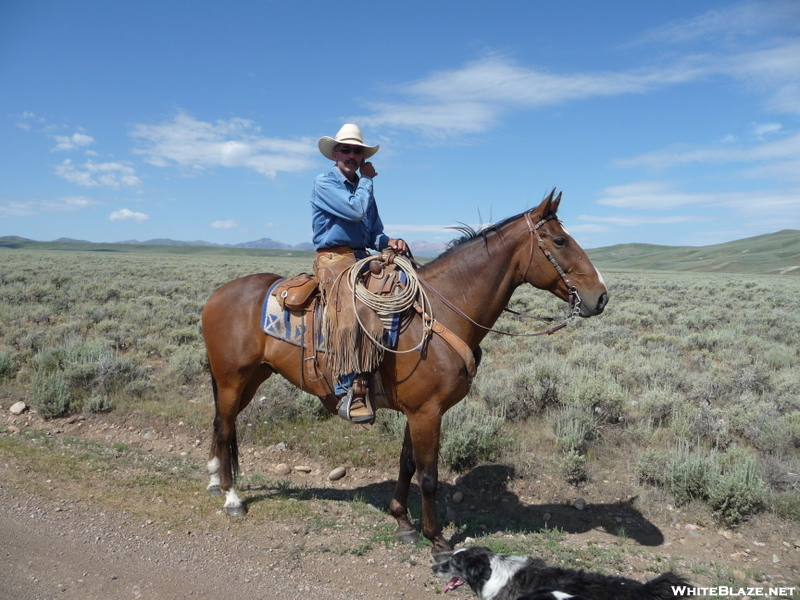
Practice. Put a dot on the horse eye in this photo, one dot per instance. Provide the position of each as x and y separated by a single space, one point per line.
560 241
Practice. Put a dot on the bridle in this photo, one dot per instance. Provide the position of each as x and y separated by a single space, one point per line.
574 298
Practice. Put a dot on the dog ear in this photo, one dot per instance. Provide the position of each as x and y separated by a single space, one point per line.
475 565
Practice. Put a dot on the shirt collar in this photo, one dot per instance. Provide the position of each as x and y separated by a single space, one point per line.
340 176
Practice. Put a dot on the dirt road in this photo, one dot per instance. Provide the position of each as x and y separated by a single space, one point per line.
58 540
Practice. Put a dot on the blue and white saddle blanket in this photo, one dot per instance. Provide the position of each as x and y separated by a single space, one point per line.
289 326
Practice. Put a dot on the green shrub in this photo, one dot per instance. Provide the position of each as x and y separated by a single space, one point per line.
470 434
573 467
651 467
727 481
786 505
7 366
598 393
658 404
186 363
737 493
573 427
50 394
97 403
523 391
689 476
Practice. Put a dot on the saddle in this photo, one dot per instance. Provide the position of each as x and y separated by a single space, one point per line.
301 295
296 293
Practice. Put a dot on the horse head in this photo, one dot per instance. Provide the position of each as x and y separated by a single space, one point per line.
558 264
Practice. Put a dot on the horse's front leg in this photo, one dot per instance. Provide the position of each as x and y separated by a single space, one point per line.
398 508
425 431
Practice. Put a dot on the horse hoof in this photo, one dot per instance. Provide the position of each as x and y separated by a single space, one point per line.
408 536
235 511
213 490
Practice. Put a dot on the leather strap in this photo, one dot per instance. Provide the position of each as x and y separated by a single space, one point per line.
456 343
310 371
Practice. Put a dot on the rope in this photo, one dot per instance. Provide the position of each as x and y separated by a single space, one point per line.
392 304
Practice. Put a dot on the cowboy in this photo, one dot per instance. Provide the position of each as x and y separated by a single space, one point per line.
346 222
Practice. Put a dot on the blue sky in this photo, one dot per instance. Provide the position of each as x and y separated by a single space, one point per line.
672 123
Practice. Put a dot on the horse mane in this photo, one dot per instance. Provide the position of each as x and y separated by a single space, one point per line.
469 235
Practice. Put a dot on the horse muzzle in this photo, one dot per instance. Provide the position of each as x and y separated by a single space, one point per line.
589 308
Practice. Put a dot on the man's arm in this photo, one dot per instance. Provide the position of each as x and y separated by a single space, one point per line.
332 197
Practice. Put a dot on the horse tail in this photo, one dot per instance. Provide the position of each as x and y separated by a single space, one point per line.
215 390
234 450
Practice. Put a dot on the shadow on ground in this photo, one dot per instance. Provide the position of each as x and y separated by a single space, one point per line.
489 506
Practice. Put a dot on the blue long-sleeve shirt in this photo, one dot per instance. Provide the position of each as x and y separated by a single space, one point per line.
344 213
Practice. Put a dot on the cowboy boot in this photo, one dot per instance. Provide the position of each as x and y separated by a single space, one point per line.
355 406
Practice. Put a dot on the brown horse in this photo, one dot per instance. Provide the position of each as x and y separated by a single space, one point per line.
468 287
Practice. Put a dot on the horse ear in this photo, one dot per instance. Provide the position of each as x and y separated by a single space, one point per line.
549 205
554 204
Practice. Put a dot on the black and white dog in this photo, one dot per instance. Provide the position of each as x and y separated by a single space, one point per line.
495 576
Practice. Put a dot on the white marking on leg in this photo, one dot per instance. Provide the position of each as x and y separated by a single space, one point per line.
213 471
232 500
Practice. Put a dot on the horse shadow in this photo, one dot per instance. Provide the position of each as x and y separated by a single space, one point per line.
489 506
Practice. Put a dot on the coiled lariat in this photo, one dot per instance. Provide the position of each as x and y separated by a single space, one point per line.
407 295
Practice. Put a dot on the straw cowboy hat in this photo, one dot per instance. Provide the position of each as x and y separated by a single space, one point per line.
349 135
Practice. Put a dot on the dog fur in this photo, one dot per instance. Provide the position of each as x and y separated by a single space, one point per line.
494 576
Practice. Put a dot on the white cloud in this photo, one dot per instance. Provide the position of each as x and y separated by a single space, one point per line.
128 215
643 194
779 157
762 129
639 220
729 24
18 208
71 142
472 99
654 195
25 120
198 145
229 224
755 44
90 174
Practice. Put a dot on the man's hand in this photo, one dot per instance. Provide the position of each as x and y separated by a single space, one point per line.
368 170
398 245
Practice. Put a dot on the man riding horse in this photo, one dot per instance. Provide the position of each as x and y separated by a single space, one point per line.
346 222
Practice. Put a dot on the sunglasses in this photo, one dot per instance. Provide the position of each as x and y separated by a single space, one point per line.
348 150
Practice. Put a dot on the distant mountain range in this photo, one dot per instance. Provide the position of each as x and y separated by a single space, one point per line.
418 248
263 243
769 254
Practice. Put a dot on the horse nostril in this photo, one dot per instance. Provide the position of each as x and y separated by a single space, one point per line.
601 302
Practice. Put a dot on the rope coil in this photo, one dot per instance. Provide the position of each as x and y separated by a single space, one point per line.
392 304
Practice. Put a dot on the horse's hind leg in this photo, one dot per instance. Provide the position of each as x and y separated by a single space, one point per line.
213 462
398 508
230 398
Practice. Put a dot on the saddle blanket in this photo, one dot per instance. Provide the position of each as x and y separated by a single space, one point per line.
289 326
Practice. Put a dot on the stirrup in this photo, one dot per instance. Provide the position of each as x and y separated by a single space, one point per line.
344 409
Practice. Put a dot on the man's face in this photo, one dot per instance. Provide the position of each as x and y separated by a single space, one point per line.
348 159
